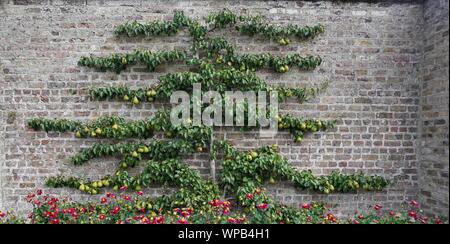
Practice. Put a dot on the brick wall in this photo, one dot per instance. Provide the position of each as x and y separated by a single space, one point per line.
372 53
434 158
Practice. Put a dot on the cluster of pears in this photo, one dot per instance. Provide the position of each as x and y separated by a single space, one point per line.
283 68
300 126
135 155
252 155
150 95
284 41
93 187
92 132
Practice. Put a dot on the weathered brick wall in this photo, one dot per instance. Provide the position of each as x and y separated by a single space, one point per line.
372 53
434 160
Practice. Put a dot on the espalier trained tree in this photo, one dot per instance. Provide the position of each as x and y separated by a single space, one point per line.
215 65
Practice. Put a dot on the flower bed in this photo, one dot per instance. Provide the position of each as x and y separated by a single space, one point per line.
135 208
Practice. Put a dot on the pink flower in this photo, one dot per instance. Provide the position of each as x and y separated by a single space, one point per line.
226 211
377 207
126 198
414 203
123 188
306 206
39 192
37 202
2 214
412 214
231 220
185 213
392 213
356 222
102 217
140 193
249 196
360 216
309 219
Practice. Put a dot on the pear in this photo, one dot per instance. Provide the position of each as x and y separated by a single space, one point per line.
105 183
254 154
98 131
135 154
126 98
115 126
271 180
135 101
274 147
124 61
82 187
77 134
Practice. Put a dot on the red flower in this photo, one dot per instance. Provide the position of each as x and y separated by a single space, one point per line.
414 203
360 216
392 213
215 203
185 213
54 221
160 220
412 214
262 206
356 222
249 196
2 214
115 210
231 220
258 191
110 195
103 200
37 202
39 192
183 221
140 193
226 204
102 217
306 206
438 221
126 198
377 207
226 211
331 217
